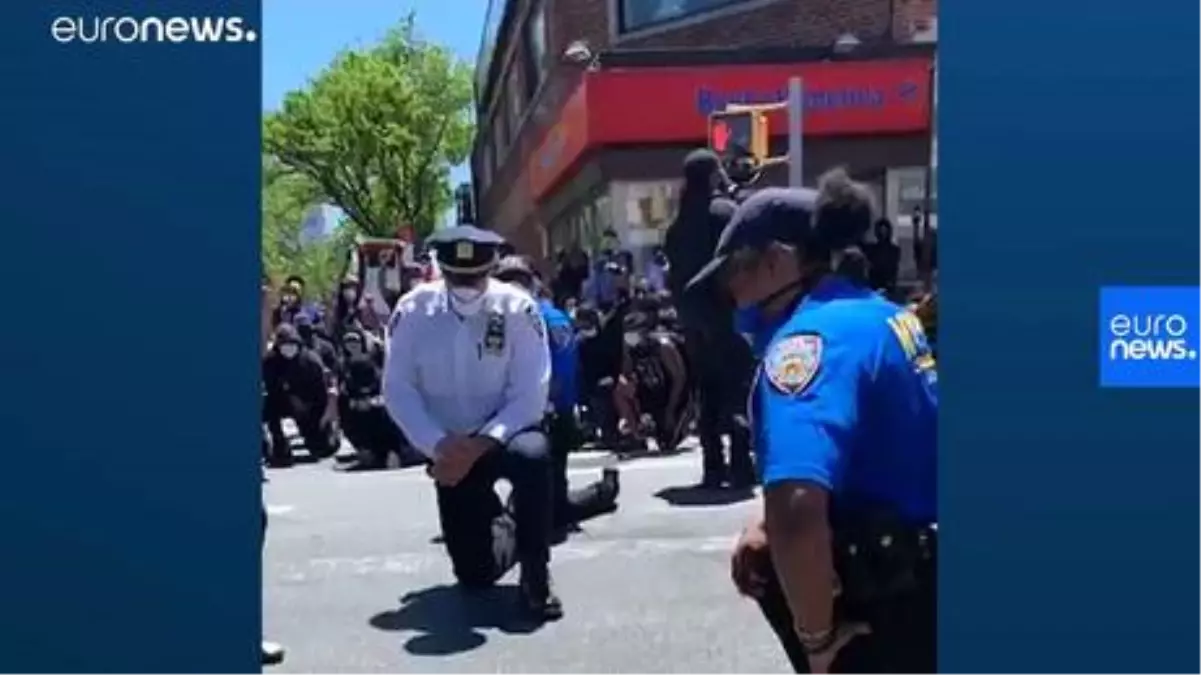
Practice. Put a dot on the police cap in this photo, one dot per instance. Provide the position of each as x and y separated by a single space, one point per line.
466 249
783 215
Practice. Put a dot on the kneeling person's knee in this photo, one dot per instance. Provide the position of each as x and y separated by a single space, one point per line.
530 445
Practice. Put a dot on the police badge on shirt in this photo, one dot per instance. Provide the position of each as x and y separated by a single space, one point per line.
494 334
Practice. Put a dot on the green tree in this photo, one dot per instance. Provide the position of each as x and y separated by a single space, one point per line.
288 197
378 131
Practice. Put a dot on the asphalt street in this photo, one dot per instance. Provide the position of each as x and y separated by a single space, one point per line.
353 581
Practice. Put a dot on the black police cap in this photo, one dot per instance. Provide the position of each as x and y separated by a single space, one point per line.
783 215
466 249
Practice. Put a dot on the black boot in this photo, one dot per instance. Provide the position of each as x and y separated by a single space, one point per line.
538 598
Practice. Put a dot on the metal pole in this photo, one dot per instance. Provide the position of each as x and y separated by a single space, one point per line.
796 128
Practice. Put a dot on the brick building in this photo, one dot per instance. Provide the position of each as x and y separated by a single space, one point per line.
586 108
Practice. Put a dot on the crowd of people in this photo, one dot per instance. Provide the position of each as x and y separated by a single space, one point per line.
496 370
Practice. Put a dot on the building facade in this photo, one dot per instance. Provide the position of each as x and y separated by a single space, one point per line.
587 108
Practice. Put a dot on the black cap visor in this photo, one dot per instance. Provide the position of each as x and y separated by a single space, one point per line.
709 272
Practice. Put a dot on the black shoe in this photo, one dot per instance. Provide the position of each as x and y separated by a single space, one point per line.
273 653
743 481
280 462
712 481
538 598
611 483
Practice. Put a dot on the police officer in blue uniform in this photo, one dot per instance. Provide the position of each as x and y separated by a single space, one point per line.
844 411
570 506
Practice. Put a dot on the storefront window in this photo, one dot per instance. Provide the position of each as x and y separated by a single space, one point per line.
583 224
639 14
644 210
906 191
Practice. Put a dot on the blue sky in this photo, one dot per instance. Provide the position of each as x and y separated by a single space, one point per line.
300 37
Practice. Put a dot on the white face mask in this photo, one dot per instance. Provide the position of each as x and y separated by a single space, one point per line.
588 334
466 301
349 294
633 339
289 351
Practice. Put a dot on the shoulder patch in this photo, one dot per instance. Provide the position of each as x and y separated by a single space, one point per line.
793 362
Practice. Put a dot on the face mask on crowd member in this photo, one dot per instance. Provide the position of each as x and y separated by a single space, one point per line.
352 344
287 341
293 290
466 256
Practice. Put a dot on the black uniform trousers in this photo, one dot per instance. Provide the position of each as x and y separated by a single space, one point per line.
564 437
904 629
723 384
484 538
573 506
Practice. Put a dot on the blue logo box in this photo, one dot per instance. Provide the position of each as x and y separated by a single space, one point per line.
1149 336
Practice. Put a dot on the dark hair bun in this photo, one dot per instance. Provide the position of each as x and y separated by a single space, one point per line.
845 210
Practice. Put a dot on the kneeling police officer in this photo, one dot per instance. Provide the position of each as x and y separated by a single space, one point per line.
466 377
844 410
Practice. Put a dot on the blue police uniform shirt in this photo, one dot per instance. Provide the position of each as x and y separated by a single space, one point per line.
846 396
564 357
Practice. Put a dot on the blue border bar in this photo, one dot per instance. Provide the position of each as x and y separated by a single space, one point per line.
129 489
1068 133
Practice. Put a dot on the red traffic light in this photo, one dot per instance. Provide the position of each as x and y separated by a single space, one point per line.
720 136
732 133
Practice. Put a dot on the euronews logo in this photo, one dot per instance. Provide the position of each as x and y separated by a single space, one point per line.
151 29
1149 336
1155 337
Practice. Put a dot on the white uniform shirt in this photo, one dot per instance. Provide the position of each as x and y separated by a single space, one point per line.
488 373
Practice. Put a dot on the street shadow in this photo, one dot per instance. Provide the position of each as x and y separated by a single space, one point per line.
698 495
448 620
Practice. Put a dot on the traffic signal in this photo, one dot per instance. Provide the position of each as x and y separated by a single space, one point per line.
739 134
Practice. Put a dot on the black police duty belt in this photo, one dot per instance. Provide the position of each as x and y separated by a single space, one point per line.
880 558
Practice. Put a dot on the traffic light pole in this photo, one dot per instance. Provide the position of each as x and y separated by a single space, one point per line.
796 126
